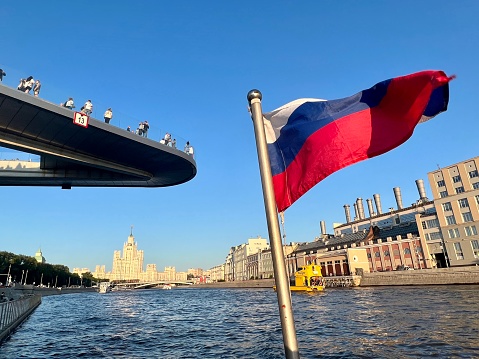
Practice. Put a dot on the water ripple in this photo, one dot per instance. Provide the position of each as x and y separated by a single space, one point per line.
407 322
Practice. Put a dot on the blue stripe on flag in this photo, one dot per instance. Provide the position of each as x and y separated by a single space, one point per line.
310 117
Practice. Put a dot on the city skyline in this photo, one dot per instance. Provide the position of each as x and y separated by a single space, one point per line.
187 68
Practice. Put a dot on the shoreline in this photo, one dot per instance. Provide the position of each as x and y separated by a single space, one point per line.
438 276
28 289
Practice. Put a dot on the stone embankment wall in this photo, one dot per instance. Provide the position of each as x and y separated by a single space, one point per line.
20 290
259 283
440 276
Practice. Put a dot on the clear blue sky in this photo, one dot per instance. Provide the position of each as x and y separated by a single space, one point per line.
187 67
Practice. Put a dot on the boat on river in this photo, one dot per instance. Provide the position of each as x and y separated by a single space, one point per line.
307 279
105 287
167 286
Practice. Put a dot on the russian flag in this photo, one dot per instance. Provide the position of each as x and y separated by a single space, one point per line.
309 139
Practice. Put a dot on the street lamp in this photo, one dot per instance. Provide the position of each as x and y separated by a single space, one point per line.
9 278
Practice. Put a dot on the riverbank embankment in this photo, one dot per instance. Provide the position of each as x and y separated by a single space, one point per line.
28 289
439 276
254 283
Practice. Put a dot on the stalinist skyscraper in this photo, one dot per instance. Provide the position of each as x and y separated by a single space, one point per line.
130 265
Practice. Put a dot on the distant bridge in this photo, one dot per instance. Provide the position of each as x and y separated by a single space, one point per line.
150 284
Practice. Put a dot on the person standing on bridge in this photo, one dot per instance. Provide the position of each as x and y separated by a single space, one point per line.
29 82
2 73
87 108
189 149
146 127
70 104
108 115
36 88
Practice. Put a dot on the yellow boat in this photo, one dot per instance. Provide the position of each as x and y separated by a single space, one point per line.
307 279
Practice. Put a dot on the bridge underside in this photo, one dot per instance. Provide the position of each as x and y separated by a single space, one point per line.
99 155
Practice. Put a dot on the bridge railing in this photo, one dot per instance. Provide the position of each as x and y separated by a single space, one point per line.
125 120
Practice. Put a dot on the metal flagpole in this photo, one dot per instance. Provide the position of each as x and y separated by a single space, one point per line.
280 275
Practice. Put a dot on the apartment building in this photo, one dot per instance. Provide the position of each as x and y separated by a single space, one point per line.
455 190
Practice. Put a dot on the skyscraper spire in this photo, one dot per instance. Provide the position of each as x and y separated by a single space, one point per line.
131 230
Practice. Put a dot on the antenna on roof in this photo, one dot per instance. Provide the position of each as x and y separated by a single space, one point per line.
131 230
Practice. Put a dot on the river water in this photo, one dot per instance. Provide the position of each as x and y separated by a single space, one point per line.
385 322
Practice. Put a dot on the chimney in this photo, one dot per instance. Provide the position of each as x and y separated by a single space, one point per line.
397 194
356 212
359 201
421 190
377 200
370 207
347 213
323 227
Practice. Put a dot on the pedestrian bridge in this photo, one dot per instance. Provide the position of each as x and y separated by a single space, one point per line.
98 155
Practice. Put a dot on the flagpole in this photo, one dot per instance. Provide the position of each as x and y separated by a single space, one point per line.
280 275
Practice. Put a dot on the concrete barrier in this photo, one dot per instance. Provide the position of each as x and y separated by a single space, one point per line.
439 276
253 283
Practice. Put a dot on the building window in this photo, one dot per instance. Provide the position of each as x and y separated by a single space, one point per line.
407 251
377 254
458 250
435 235
432 223
386 253
369 255
475 247
424 225
473 174
475 185
441 183
456 179
460 189
447 206
471 231
443 194
463 203
467 217
427 236
477 199
453 233
450 220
